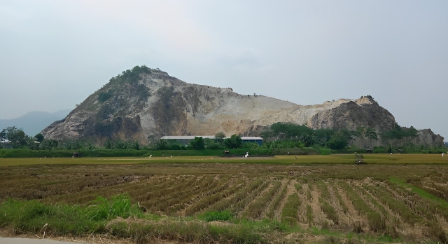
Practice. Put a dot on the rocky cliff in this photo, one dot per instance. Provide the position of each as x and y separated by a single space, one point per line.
147 103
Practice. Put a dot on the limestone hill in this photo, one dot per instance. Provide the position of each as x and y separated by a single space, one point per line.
147 103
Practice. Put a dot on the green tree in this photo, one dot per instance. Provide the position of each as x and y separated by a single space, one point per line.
198 143
289 131
162 144
39 137
136 145
266 135
212 144
322 136
233 142
219 137
360 132
251 145
174 145
371 134
17 137
32 143
103 96
400 135
49 144
152 140
3 134
338 141
412 132
108 144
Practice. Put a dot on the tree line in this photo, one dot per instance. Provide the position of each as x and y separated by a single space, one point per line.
199 143
277 136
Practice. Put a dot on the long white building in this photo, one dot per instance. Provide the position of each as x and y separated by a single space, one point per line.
185 140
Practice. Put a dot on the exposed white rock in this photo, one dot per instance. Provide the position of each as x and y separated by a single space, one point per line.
173 107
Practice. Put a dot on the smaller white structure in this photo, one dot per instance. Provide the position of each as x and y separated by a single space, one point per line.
5 143
247 155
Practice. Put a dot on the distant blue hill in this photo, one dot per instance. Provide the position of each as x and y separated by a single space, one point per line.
34 122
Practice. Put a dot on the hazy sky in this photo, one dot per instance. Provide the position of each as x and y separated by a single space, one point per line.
53 54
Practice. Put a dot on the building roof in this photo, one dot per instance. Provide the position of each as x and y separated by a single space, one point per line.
184 137
251 138
208 137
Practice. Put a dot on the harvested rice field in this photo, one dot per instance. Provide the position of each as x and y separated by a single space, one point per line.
318 199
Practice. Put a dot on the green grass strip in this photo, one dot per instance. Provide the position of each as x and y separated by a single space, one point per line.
62 219
290 210
422 193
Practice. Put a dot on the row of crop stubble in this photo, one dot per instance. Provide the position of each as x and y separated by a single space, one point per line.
339 197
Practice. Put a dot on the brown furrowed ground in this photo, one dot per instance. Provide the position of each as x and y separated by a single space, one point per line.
394 196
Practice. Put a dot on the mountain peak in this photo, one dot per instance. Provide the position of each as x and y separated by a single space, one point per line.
143 102
366 100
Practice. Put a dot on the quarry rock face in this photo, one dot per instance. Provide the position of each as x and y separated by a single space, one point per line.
148 103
